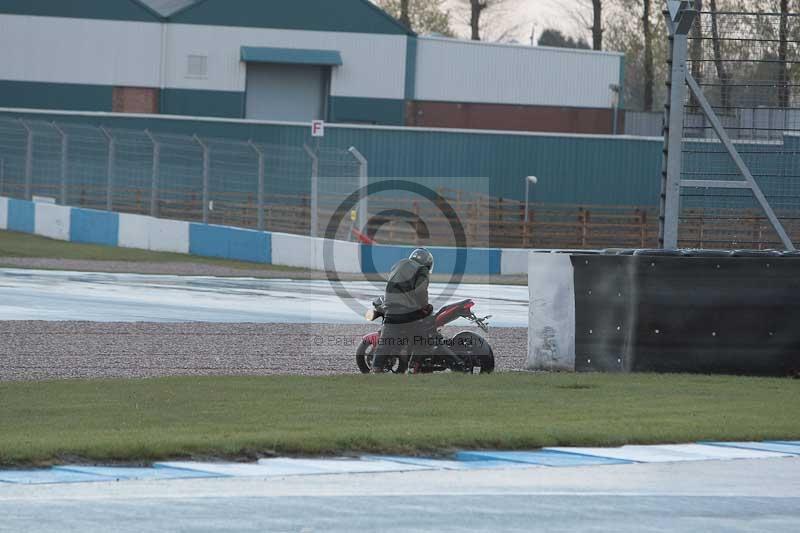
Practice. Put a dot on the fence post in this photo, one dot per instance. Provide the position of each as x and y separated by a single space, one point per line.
28 160
154 211
584 218
363 182
260 194
643 226
523 218
112 153
679 22
206 169
314 190
64 162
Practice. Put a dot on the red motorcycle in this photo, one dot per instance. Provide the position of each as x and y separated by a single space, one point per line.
471 348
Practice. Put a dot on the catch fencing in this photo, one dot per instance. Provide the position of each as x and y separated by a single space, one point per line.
186 177
297 189
733 127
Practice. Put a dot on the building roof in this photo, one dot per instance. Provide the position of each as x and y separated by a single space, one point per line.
166 8
85 9
355 16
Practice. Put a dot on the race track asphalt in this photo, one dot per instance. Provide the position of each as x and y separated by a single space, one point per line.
716 496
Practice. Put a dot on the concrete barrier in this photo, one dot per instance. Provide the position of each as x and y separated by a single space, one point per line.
52 221
21 216
168 236
551 312
155 234
230 243
94 227
134 231
514 261
3 213
161 235
294 251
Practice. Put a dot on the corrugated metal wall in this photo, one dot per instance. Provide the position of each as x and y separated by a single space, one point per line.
601 170
647 123
79 51
373 65
466 71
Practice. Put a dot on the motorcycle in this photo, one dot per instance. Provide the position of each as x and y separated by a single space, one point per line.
471 348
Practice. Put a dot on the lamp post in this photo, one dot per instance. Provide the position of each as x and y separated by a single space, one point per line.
615 90
528 181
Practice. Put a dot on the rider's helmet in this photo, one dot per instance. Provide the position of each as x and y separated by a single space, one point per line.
422 257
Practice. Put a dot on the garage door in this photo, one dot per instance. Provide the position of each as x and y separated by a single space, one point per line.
286 92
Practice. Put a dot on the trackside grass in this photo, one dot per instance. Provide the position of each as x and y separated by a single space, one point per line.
243 417
14 244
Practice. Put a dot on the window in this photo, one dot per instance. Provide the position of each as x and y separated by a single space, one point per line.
197 66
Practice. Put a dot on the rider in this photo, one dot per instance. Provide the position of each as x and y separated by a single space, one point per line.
408 316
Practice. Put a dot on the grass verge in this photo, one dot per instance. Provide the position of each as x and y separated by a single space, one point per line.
243 417
14 244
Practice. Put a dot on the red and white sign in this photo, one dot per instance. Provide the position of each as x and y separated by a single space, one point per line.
318 128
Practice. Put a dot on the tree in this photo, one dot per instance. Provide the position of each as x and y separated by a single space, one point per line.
624 32
783 52
476 10
696 53
485 19
424 16
597 24
404 17
725 94
648 57
552 37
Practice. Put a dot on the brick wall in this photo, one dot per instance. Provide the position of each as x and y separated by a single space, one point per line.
512 117
135 100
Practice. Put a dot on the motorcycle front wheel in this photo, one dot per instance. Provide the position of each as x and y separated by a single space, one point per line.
366 352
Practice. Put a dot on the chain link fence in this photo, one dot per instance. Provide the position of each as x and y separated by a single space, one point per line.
746 63
219 181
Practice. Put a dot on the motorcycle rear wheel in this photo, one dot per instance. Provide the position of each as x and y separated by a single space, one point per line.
366 352
471 346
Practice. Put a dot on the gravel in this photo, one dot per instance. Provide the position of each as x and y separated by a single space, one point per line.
33 350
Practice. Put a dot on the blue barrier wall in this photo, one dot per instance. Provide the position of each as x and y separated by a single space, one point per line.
230 243
20 216
90 226
94 227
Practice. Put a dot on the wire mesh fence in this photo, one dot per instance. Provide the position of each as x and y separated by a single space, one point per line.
219 181
747 64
